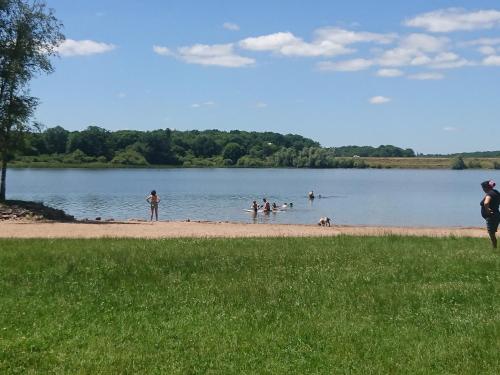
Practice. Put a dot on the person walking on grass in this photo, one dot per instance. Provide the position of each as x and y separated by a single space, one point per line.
489 209
153 199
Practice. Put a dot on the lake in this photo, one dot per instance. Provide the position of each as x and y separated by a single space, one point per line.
349 196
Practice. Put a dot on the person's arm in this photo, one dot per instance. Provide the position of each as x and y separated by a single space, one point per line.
148 199
487 201
158 199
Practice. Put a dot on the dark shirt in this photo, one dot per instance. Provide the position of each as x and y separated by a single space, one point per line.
494 203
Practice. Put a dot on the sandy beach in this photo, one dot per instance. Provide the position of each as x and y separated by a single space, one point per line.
20 229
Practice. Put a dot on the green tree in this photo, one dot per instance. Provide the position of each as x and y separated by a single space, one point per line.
159 147
56 140
93 141
29 36
233 152
205 146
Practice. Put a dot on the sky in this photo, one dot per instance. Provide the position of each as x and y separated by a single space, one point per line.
416 74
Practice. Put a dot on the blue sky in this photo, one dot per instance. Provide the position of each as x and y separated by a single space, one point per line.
421 74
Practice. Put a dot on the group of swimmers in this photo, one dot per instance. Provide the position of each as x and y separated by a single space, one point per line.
267 207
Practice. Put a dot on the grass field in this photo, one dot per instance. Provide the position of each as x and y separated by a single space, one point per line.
430 162
347 305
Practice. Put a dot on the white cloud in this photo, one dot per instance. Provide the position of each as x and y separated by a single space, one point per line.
270 42
422 50
345 37
287 44
121 95
426 76
204 104
345 66
450 129
72 47
322 48
424 42
482 42
413 50
389 73
260 105
214 55
492 61
379 100
163 51
454 19
231 26
327 42
403 57
448 60
487 50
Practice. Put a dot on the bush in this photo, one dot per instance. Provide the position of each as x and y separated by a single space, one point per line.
458 163
78 157
474 164
248 161
129 157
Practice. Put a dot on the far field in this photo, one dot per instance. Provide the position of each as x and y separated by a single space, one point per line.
430 163
357 305
370 162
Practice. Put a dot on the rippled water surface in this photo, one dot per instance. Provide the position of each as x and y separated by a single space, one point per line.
382 197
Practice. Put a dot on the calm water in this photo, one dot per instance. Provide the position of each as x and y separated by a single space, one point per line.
384 197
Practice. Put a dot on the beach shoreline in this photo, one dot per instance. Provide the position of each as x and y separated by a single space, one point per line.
202 229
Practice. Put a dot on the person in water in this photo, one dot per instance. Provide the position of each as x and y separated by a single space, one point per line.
275 206
255 206
489 209
311 194
266 206
153 199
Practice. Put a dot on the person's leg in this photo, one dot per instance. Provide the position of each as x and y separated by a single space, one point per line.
493 239
156 212
152 211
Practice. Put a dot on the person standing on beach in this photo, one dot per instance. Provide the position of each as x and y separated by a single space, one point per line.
153 199
489 209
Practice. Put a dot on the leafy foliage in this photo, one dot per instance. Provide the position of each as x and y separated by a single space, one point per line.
458 163
29 37
209 148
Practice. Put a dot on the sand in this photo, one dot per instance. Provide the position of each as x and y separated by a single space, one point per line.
18 229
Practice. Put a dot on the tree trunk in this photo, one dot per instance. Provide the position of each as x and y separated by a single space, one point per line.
4 177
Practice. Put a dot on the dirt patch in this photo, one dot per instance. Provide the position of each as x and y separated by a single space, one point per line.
12 210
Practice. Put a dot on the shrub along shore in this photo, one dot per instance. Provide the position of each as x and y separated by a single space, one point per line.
311 305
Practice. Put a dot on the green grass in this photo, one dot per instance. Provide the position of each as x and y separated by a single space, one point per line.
346 305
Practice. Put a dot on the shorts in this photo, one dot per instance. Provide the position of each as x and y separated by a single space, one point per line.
492 223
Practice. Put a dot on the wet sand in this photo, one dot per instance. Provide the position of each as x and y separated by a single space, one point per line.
15 229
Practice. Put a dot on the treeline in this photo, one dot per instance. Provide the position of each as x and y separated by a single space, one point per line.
211 148
477 154
368 151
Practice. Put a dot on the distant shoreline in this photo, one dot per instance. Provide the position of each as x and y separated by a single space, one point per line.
197 229
370 163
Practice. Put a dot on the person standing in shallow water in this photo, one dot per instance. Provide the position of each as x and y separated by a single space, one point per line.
153 199
489 210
